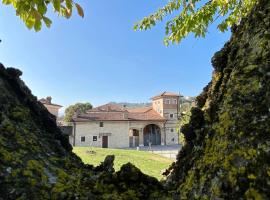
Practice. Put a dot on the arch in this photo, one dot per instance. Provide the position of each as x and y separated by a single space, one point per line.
133 137
151 134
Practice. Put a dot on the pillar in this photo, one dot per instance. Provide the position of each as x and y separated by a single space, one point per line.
141 137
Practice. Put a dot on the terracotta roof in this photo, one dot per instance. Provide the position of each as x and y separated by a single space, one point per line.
150 114
117 114
48 101
139 110
164 94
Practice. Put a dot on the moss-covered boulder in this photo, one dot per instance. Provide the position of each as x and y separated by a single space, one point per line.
227 155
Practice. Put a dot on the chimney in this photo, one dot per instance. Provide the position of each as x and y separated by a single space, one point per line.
49 100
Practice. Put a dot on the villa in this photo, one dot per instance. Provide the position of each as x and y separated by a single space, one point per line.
114 126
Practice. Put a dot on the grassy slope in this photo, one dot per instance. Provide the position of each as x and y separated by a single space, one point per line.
147 162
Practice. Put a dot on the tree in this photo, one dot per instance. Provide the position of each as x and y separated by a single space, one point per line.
33 12
195 17
78 107
184 110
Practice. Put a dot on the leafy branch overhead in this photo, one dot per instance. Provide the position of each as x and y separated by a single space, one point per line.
33 12
194 16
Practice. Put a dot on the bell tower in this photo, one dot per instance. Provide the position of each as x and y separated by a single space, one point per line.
167 105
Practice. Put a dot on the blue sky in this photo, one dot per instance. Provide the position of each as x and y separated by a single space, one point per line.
100 58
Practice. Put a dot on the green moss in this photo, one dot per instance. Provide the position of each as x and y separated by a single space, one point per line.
253 194
19 113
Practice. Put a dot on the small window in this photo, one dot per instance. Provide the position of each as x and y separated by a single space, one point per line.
167 101
171 129
175 101
171 116
82 138
100 124
94 138
158 102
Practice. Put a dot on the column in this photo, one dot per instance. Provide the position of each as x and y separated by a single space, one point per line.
141 137
163 136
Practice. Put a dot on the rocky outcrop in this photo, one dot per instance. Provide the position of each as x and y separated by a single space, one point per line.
227 155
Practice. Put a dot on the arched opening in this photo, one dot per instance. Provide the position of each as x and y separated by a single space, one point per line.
151 134
133 138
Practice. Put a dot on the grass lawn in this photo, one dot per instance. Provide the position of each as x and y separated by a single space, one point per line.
149 163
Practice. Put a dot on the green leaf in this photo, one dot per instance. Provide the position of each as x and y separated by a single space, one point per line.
56 5
30 22
47 22
79 9
6 2
37 25
69 4
42 8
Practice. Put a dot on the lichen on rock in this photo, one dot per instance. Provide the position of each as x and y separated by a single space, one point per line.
228 155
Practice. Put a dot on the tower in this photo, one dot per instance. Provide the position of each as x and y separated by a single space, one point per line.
167 105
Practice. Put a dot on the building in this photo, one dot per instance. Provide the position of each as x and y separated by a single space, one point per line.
113 126
51 107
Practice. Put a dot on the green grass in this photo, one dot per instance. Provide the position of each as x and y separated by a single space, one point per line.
147 162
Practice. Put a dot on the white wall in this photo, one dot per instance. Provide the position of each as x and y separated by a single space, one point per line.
119 133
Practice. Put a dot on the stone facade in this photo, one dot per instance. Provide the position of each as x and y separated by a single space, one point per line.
111 126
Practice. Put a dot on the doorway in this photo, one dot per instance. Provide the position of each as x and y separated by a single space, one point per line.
104 141
152 135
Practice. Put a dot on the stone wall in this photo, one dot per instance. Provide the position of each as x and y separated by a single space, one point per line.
118 130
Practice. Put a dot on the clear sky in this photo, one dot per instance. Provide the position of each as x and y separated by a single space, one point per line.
100 58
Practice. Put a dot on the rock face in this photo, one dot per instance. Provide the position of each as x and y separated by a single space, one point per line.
227 155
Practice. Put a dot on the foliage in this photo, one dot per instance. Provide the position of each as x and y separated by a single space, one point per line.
34 12
149 163
78 107
195 17
185 113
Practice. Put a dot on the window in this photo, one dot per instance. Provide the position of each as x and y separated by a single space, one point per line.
94 138
100 124
175 101
167 101
171 129
158 102
82 138
171 116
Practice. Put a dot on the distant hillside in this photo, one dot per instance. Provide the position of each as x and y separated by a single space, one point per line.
133 105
